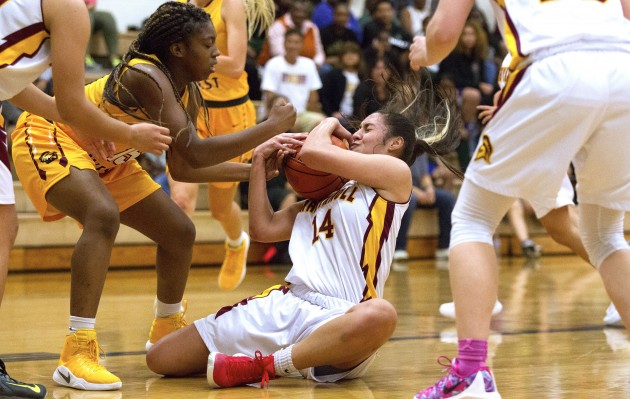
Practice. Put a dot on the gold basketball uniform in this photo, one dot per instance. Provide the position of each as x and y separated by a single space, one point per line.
44 151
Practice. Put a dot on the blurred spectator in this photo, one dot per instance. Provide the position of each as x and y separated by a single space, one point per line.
463 73
339 85
425 196
103 21
295 77
372 93
384 19
411 16
296 18
324 15
335 34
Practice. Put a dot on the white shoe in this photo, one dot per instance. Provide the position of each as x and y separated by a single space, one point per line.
441 254
448 309
612 316
401 254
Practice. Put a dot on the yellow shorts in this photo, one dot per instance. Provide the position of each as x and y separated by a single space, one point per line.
43 154
226 120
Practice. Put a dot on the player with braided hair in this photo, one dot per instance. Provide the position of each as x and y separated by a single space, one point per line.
226 100
62 177
329 318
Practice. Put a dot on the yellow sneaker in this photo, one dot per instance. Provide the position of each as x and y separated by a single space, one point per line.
79 367
162 326
234 265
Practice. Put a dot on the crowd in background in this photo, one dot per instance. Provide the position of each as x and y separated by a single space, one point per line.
334 59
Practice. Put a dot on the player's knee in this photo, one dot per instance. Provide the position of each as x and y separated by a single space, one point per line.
381 314
601 244
103 218
184 234
154 361
601 231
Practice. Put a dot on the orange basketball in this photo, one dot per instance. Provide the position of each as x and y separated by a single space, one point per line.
310 183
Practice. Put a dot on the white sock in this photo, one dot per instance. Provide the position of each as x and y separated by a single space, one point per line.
283 362
166 309
81 323
237 242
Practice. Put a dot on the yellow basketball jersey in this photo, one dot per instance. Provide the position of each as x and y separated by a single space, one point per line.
24 45
94 93
218 87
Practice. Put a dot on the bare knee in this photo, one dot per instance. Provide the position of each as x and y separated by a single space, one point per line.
381 316
102 219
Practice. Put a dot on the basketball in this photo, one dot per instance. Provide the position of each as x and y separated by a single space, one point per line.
310 183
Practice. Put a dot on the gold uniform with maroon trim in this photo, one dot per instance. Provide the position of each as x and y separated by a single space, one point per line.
226 98
343 246
44 151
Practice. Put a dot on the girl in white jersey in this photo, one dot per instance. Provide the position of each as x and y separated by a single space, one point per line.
35 34
553 110
329 318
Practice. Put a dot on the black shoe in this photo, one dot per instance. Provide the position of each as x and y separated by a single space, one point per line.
10 388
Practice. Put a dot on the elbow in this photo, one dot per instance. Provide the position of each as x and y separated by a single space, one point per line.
256 233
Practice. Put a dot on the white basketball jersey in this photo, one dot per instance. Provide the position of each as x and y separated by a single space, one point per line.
529 26
24 45
343 246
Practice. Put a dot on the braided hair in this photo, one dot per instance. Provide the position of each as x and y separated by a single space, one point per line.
172 22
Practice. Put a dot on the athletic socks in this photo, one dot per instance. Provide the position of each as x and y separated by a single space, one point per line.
166 309
472 354
81 323
237 242
283 362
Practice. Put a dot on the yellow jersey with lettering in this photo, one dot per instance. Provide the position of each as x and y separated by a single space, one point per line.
531 26
94 93
219 87
24 45
343 245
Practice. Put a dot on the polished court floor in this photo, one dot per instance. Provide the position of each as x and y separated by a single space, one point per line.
549 342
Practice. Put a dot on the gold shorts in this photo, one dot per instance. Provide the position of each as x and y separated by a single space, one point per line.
43 154
226 120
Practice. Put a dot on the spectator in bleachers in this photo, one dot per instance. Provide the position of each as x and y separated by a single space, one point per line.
381 47
104 22
384 19
295 77
335 34
425 195
339 85
463 71
296 18
411 16
324 15
372 93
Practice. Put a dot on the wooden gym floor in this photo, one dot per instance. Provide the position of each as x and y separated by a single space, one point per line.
549 342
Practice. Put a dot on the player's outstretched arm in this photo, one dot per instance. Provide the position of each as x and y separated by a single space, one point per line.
68 43
442 33
265 225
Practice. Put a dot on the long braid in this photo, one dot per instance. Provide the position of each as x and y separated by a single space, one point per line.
170 23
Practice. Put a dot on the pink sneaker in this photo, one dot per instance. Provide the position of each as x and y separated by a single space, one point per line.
477 385
231 371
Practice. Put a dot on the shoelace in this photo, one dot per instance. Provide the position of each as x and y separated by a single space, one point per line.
260 365
250 374
90 359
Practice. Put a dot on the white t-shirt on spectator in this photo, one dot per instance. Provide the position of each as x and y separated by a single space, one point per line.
295 81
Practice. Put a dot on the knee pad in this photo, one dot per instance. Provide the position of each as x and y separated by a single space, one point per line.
477 214
601 230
